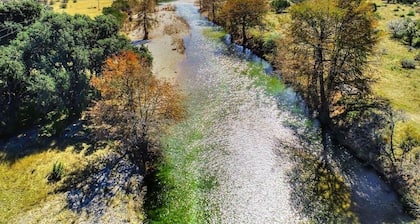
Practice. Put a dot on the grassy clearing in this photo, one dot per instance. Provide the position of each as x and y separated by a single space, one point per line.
24 184
86 7
399 85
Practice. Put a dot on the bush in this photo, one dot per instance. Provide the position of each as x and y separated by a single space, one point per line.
63 5
417 57
397 28
411 13
56 172
279 5
408 64
119 16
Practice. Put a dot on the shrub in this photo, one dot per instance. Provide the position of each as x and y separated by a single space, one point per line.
397 28
119 16
417 57
411 13
63 5
279 5
408 63
56 172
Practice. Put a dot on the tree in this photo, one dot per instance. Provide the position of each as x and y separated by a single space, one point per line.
329 41
15 15
45 70
135 106
145 18
279 5
240 15
213 7
404 29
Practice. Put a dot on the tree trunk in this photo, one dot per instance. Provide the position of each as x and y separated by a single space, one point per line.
213 12
146 31
324 113
243 37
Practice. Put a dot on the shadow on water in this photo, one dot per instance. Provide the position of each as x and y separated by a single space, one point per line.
319 193
327 186
372 198
332 186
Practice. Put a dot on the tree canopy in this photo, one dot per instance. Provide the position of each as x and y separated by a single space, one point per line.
135 106
329 44
240 15
46 68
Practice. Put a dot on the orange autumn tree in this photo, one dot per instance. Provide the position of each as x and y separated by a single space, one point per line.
135 106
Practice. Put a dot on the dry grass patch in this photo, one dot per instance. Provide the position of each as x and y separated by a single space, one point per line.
24 184
86 7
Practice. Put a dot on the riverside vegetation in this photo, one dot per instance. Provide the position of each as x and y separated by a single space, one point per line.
81 117
58 69
354 63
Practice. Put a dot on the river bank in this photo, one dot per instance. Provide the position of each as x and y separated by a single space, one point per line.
211 157
166 41
364 134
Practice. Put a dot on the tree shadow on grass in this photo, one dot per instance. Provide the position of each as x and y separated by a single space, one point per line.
30 142
104 187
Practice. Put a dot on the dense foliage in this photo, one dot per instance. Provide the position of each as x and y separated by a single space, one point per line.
45 70
327 52
15 15
240 15
134 105
279 5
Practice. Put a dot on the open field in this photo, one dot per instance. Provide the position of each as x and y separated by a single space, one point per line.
91 8
24 181
401 86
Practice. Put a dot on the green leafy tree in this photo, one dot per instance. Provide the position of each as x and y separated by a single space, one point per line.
240 15
45 70
279 5
329 41
15 15
145 16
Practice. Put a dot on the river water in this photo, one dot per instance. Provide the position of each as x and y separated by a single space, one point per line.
252 137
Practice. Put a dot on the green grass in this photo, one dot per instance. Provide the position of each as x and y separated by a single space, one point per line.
86 7
181 177
272 84
214 34
400 86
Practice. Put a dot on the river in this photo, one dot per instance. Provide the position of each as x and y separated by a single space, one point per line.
261 151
